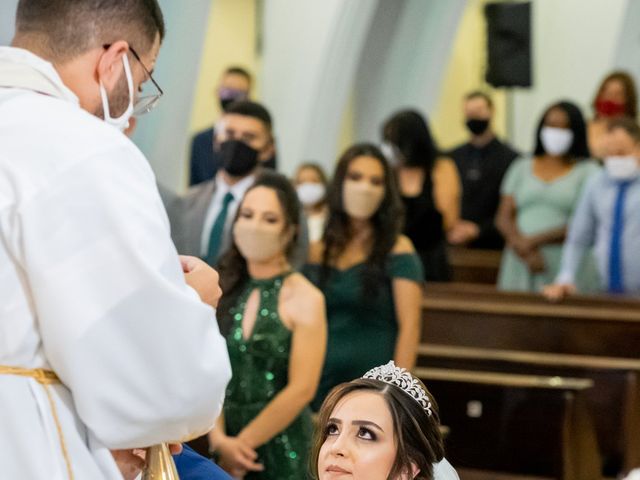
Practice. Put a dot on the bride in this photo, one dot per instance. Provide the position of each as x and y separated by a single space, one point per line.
383 426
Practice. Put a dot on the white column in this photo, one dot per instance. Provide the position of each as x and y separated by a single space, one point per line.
404 60
7 20
163 133
311 52
628 47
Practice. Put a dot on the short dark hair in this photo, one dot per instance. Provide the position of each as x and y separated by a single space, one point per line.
579 149
235 70
68 28
251 109
479 94
417 434
627 124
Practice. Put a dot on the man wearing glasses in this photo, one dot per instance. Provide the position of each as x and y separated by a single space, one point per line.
108 339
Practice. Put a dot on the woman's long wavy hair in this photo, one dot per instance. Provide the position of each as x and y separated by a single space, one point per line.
417 435
232 267
386 222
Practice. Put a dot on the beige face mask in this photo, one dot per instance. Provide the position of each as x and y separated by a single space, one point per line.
258 244
361 199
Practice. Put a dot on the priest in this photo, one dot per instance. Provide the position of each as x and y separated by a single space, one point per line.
108 342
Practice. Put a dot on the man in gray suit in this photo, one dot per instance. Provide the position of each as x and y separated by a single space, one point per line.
201 219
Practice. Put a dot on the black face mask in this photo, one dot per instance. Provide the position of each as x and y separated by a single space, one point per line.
225 102
238 158
477 126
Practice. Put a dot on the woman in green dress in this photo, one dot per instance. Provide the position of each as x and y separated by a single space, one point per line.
370 274
539 195
275 324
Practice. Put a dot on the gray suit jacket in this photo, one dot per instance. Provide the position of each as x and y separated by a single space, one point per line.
187 214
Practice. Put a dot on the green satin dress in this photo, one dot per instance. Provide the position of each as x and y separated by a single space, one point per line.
362 329
260 367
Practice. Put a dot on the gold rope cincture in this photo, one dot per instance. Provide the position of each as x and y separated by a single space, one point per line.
44 378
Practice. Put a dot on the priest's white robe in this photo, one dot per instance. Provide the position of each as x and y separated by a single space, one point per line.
90 287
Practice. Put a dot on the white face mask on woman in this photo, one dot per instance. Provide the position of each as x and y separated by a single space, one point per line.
361 199
622 168
556 141
258 244
310 193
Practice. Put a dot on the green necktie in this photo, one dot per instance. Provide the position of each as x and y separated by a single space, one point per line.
217 231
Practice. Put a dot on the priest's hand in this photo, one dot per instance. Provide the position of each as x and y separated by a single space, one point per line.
202 278
131 462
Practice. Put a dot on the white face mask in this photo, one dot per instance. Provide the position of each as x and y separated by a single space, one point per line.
622 168
310 194
361 199
122 122
556 141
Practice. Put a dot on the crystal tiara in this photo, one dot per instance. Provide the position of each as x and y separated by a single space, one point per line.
402 379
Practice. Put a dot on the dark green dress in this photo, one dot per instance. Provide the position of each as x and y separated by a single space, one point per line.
260 368
362 332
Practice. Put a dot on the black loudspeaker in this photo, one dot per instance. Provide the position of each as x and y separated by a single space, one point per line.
508 44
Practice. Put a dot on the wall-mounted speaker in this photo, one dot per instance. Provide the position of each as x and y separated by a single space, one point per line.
508 44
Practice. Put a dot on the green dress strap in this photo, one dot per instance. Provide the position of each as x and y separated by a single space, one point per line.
407 266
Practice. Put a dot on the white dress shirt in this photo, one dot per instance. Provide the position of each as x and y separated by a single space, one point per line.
222 188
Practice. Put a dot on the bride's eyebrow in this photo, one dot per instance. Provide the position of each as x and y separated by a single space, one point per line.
366 423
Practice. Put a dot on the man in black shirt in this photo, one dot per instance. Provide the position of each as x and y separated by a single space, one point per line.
481 162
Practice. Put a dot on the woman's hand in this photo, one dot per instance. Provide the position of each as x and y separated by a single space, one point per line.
236 457
535 262
523 246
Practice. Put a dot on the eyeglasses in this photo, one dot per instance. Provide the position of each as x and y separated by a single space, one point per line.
145 103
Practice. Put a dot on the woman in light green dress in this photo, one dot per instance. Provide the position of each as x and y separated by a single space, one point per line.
539 195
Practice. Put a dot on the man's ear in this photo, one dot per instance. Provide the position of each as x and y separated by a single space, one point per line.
110 68
269 150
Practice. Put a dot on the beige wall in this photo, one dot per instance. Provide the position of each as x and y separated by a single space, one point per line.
465 73
230 40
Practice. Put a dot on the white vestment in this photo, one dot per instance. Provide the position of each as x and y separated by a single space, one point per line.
444 471
91 287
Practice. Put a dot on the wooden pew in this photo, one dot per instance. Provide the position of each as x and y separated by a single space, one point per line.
614 401
475 327
480 316
474 266
516 424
